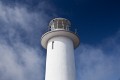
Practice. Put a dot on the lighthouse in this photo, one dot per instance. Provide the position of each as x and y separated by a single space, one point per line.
60 43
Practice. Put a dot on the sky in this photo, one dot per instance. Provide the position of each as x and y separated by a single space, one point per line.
22 23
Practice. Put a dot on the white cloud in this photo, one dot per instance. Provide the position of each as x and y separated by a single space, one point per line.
20 56
20 62
100 62
19 24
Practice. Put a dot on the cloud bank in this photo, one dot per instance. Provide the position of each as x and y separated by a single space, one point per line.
20 32
101 62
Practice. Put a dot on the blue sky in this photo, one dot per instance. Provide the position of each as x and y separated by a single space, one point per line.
22 22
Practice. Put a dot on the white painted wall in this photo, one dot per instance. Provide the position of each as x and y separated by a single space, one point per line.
60 63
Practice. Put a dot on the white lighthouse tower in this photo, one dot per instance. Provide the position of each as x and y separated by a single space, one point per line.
60 43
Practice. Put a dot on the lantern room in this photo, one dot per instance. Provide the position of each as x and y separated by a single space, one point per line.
59 24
